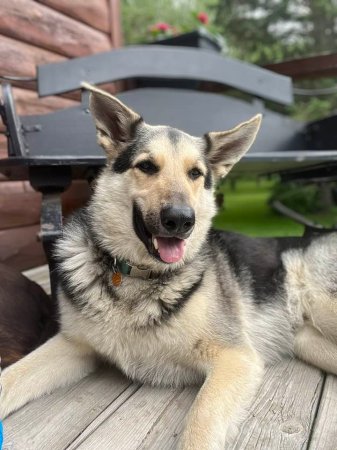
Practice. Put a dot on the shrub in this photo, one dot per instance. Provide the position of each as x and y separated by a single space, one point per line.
299 197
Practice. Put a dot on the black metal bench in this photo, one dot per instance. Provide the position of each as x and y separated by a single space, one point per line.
50 150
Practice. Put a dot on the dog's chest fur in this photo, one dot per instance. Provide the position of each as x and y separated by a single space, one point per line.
146 350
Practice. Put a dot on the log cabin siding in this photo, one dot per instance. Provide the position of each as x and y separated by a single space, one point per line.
95 13
42 26
34 32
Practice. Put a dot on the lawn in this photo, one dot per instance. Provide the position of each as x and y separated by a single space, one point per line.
247 211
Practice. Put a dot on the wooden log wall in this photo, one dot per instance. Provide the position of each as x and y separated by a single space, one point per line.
34 32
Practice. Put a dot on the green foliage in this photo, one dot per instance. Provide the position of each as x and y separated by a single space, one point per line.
138 17
267 31
301 198
263 31
315 108
246 210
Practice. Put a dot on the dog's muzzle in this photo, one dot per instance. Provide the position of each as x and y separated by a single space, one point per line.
165 239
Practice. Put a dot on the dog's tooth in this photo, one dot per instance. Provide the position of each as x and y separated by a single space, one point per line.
155 243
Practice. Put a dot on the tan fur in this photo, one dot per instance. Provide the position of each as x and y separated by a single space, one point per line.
233 377
172 182
235 141
316 349
312 283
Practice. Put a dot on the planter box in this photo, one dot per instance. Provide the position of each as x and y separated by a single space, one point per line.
198 39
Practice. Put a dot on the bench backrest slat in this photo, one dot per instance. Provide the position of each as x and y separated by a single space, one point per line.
164 62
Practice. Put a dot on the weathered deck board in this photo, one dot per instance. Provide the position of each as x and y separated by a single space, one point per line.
130 424
56 420
324 434
284 410
165 433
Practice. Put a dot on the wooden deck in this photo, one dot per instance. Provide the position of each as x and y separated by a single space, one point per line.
296 408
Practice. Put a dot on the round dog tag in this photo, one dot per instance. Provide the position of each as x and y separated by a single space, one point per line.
116 279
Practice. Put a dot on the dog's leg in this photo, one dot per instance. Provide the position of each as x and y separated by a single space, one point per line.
58 362
312 346
230 385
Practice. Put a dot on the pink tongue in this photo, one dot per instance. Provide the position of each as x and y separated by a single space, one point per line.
171 249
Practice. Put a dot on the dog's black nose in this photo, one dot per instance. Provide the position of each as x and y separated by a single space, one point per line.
177 219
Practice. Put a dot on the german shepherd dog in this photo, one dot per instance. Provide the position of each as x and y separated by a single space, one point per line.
147 285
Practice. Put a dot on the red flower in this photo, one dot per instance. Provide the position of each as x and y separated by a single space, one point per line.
203 18
162 26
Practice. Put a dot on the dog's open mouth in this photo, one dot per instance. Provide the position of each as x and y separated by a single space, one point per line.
166 249
170 249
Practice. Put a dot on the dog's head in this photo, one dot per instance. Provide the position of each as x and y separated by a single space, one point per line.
154 202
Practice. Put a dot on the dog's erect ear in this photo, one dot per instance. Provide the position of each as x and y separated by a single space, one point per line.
115 122
226 148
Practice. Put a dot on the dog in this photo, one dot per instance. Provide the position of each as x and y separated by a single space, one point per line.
148 285
27 316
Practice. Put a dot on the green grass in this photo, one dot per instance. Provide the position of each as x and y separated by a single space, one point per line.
246 211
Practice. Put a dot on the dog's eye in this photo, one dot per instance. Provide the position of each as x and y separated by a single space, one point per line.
194 173
147 167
